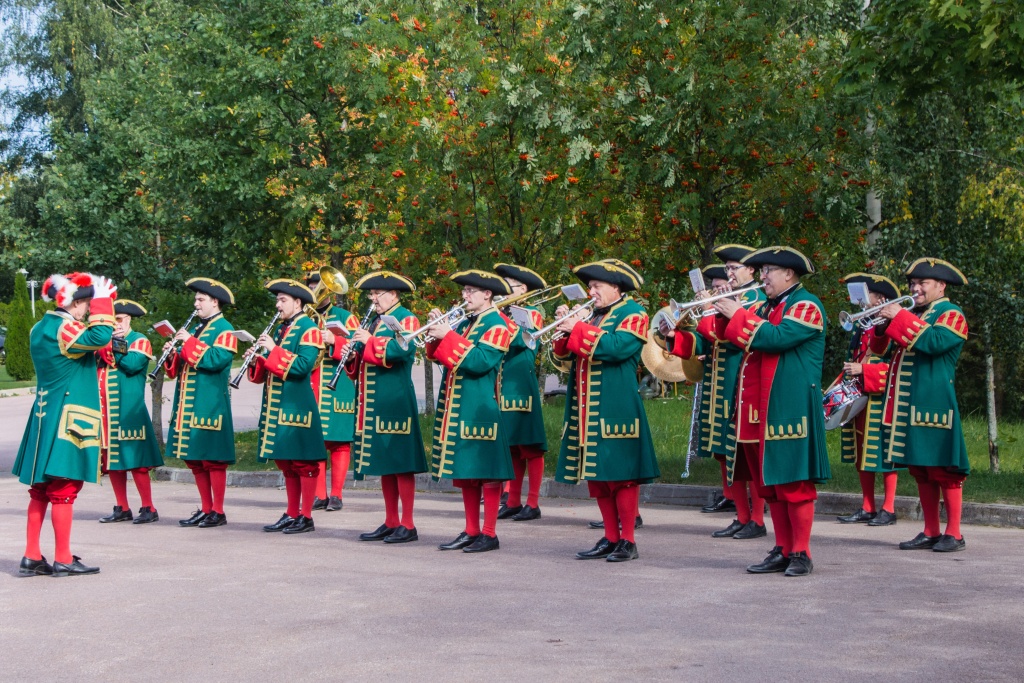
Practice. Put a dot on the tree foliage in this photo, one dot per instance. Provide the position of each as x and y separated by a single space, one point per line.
19 358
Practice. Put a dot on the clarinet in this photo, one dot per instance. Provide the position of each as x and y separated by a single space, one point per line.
170 348
350 350
250 355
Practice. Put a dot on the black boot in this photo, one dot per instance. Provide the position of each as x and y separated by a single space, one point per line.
118 515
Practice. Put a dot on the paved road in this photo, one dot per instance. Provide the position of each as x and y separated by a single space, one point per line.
233 603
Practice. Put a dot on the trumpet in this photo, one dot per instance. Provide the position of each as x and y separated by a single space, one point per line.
421 337
251 354
869 317
170 348
545 336
331 282
350 350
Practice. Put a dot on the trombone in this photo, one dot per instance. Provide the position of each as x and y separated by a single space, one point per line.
694 308
421 337
869 317
534 298
331 282
545 336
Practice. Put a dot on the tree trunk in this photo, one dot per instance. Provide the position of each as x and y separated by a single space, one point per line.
158 409
428 386
993 428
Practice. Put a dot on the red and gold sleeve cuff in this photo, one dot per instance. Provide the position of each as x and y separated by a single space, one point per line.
683 344
193 350
451 350
874 377
708 327
904 328
258 370
741 328
101 311
584 338
279 362
172 366
376 351
106 355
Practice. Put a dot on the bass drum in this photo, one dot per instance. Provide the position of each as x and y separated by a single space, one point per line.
843 402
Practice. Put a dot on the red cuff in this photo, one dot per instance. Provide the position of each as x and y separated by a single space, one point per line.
451 350
708 327
192 351
279 362
106 355
431 349
375 351
172 366
741 328
104 306
338 349
874 377
583 339
561 346
683 344
258 370
904 328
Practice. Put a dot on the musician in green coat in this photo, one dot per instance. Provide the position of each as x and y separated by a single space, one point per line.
779 401
388 440
202 432
290 432
606 441
60 449
470 444
129 444
921 410
521 405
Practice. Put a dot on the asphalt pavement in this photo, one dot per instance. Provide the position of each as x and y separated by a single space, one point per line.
234 603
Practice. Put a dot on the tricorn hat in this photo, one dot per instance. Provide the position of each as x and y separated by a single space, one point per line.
784 257
715 271
876 283
611 270
129 307
733 252
292 288
218 290
386 280
483 280
529 278
936 269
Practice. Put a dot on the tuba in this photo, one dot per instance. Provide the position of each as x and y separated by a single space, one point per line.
331 282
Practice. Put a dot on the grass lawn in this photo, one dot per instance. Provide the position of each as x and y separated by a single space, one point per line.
670 426
7 383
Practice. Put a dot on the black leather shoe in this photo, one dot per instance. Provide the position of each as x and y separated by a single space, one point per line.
603 549
379 534
775 562
504 498
526 514
638 523
948 544
319 504
213 519
504 512
721 504
729 531
751 530
799 565
861 515
883 518
403 535
624 552
301 525
920 542
118 515
334 504
76 568
147 515
281 524
461 541
194 520
482 544
596 525
35 567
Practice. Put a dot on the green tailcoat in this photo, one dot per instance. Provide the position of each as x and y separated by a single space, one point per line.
290 417
520 394
605 436
127 428
787 342
862 438
717 433
201 427
338 407
388 437
63 435
469 435
921 410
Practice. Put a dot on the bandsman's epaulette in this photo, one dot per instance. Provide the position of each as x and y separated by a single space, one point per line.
806 313
352 323
410 323
312 337
497 336
227 341
537 318
635 323
955 322
143 346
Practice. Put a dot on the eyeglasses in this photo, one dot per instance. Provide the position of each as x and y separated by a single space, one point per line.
471 290
733 269
769 269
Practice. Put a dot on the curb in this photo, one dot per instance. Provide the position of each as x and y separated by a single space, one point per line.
829 503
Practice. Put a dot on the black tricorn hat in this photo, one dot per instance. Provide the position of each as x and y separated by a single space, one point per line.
783 257
733 252
715 271
483 280
610 270
386 280
129 307
218 290
312 278
292 288
876 283
936 269
529 278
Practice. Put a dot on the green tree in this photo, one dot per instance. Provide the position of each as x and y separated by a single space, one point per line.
19 359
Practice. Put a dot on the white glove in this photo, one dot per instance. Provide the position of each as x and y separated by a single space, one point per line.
102 287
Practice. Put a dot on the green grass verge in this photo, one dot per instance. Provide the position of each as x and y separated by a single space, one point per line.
7 383
669 420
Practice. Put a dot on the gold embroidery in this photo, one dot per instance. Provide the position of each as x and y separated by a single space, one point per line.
630 430
294 419
787 431
80 426
208 423
479 431
930 419
517 405
394 426
344 406
131 434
